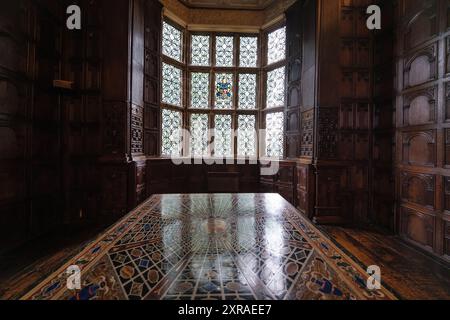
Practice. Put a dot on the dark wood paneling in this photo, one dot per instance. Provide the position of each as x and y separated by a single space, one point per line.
305 188
152 66
294 38
67 153
354 117
163 176
30 114
422 139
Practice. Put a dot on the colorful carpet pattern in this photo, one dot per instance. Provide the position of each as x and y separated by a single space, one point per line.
217 246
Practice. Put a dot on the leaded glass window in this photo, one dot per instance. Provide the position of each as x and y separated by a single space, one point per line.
224 51
223 146
171 133
171 42
247 135
274 134
276 88
248 52
199 134
224 91
233 95
171 85
200 90
247 91
200 55
276 46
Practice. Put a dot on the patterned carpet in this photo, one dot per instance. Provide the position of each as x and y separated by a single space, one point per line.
218 246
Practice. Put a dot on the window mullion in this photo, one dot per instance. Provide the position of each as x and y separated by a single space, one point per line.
273 108
211 111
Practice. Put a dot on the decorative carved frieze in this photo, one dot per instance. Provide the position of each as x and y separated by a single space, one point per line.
137 131
307 127
419 107
328 119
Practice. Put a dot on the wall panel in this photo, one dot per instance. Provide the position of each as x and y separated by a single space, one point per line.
422 155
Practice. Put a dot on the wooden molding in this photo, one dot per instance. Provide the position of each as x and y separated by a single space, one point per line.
222 28
172 16
278 19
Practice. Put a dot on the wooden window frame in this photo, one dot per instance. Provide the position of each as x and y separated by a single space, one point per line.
260 70
266 68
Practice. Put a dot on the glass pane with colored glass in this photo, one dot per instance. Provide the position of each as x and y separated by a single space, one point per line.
224 91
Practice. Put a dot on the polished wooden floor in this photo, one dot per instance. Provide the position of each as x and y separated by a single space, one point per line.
31 263
409 273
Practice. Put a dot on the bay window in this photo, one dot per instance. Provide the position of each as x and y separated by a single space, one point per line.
212 86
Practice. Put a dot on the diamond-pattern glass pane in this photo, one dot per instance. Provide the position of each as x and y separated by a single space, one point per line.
199 135
223 136
274 134
277 46
224 51
200 51
247 135
171 91
171 133
276 88
248 52
171 42
247 91
224 91
200 90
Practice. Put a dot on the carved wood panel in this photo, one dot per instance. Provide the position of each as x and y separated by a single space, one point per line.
419 107
420 67
423 56
418 227
422 25
305 189
307 129
447 239
447 194
419 148
447 101
294 39
152 123
418 189
137 124
327 126
355 103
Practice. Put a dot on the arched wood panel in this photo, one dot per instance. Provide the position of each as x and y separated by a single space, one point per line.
422 152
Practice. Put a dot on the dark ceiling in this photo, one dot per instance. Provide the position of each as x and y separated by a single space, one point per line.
229 4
